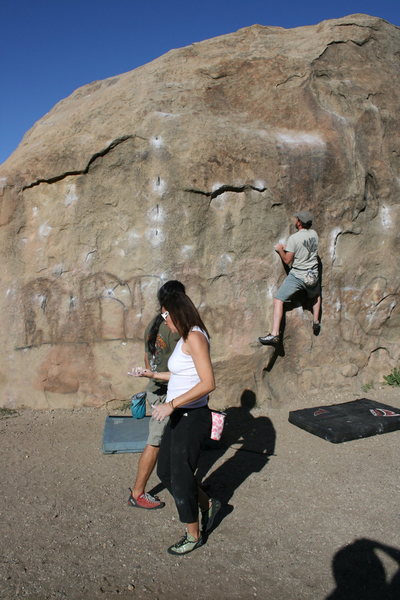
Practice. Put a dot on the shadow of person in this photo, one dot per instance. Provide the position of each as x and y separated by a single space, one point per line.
360 574
308 303
253 438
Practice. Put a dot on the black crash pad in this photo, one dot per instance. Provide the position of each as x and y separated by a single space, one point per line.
125 434
348 421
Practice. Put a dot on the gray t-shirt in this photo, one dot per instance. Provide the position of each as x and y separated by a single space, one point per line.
304 244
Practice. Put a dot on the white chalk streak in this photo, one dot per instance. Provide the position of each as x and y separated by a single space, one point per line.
300 138
333 237
44 230
386 218
156 237
159 186
71 195
156 214
157 141
260 184
187 251
166 114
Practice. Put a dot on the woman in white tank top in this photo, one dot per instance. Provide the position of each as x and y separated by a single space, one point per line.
190 380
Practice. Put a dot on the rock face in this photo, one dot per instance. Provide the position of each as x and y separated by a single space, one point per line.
191 167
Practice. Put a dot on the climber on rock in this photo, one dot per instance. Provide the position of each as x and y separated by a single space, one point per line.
301 254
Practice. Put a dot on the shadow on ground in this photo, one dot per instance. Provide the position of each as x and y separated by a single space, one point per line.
252 438
360 574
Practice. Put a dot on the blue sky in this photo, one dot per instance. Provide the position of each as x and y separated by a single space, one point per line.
48 48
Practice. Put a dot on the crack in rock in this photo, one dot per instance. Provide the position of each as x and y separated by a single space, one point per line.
294 76
337 42
351 24
84 171
217 277
215 76
335 243
376 350
226 188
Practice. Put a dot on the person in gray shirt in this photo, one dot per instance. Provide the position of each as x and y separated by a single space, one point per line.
159 343
300 253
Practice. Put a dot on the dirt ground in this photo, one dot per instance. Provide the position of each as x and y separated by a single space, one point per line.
303 519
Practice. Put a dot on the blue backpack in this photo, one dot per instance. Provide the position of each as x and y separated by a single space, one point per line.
138 405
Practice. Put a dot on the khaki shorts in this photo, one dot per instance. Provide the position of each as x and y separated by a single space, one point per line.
292 284
156 428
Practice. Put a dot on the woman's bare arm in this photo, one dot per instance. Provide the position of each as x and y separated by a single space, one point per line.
161 375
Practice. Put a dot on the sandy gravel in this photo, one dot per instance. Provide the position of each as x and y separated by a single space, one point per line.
67 531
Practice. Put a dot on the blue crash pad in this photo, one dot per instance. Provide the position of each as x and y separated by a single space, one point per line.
125 434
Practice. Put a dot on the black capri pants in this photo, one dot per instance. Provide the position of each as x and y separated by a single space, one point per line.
180 448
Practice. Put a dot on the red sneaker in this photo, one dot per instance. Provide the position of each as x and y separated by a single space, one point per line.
146 501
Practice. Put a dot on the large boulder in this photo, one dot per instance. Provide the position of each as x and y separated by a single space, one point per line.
191 167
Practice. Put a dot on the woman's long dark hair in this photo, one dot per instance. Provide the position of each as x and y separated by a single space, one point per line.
183 313
170 287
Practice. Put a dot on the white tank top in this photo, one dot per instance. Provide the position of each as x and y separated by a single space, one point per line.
183 374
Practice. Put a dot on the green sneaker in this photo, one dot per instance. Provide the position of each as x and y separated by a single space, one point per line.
208 516
185 544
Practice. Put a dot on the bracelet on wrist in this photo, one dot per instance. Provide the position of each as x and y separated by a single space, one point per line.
172 404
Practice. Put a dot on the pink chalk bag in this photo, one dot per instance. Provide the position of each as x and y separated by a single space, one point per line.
217 426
